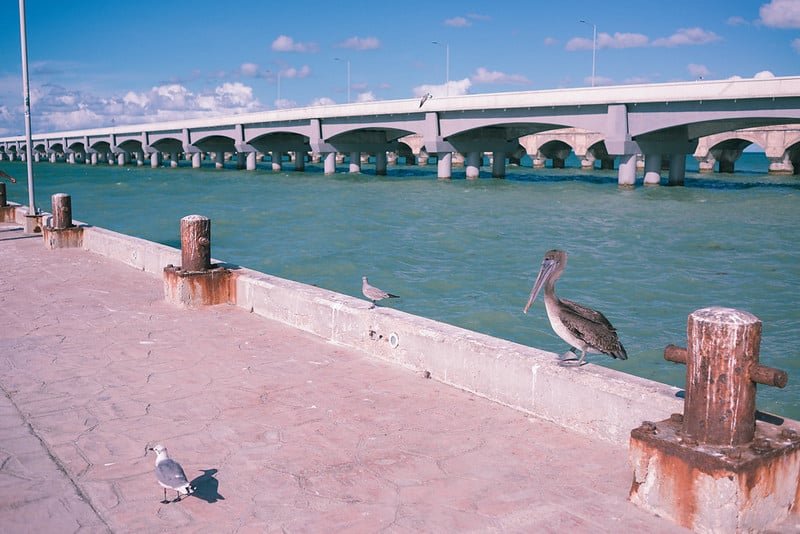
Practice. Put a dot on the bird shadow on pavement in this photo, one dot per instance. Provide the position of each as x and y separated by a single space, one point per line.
206 487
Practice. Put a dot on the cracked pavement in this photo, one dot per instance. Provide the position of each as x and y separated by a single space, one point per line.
280 430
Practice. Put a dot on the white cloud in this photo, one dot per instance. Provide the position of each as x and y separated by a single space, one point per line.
284 43
736 21
291 72
360 43
796 45
455 88
457 22
780 14
366 97
249 69
322 101
550 41
764 75
136 99
598 80
285 103
698 71
605 40
688 36
483 75
234 94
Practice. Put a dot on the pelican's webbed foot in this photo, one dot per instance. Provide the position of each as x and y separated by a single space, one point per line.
571 359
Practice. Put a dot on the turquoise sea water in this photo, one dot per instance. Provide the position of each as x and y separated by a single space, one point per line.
466 252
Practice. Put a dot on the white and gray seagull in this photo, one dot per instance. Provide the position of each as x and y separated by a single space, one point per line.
373 293
170 474
425 98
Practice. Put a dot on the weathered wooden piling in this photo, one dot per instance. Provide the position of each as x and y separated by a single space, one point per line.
195 243
62 211
6 212
61 232
714 468
196 282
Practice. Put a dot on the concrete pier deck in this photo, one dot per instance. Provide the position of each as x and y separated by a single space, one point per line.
281 430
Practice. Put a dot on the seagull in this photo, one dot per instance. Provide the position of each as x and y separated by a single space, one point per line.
585 329
170 474
373 293
425 98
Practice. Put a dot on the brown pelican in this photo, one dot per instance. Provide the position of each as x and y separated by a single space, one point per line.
585 329
373 293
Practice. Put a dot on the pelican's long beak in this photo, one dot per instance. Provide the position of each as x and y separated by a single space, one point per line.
548 267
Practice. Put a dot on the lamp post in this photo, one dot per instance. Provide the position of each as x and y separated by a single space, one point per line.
26 94
278 80
446 67
594 45
348 77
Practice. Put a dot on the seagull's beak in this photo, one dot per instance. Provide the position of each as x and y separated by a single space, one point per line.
548 267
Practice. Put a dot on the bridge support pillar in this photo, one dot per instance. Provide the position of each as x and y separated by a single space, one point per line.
70 157
355 162
781 164
444 168
173 159
652 169
53 157
391 158
120 158
92 158
498 164
329 162
155 160
197 158
473 169
277 158
299 161
626 175
677 169
219 159
250 161
139 159
380 163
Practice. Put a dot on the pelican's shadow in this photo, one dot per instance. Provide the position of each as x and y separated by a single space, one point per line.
206 486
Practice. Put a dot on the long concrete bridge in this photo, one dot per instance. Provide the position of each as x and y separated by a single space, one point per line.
662 123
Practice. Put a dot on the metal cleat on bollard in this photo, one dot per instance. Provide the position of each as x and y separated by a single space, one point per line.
714 468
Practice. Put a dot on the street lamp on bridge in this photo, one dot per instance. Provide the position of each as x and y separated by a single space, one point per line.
446 66
594 45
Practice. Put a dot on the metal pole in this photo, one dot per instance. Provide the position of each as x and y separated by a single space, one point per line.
348 81
594 50
594 46
26 93
447 69
446 65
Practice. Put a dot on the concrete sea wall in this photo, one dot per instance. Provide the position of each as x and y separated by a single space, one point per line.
592 400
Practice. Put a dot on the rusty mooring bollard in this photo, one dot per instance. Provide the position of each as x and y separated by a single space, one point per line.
195 243
61 232
62 211
721 375
714 468
196 282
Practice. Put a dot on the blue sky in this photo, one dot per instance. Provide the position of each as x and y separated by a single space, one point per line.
97 61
